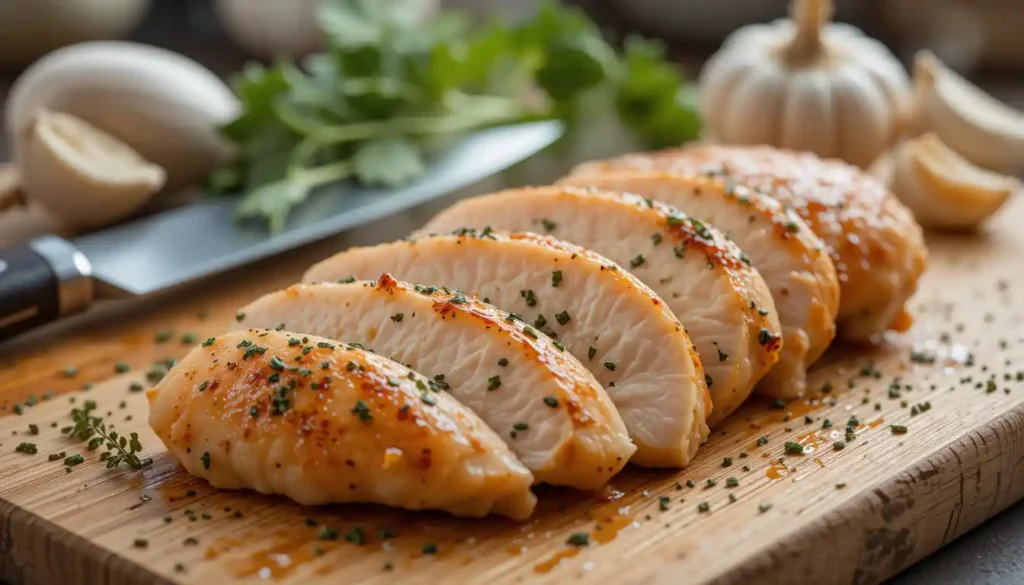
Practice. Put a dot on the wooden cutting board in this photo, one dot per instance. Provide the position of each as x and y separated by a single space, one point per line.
856 515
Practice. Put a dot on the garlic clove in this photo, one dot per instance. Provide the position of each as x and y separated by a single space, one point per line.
984 130
943 189
10 194
83 175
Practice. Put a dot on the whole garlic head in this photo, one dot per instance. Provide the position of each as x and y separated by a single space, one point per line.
82 175
943 189
804 84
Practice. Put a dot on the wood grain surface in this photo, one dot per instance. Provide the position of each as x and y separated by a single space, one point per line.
856 515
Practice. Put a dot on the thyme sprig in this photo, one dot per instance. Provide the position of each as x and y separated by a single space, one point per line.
92 429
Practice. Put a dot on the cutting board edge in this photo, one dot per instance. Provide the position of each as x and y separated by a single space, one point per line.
46 555
875 521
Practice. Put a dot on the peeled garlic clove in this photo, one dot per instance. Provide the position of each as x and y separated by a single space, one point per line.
943 189
984 130
10 195
165 106
83 175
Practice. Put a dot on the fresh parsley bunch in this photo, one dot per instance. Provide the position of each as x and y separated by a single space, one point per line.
390 89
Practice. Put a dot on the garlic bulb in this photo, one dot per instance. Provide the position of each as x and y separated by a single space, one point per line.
806 85
941 188
82 175
165 106
984 130
31 28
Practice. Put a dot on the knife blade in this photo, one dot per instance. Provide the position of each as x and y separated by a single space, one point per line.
49 278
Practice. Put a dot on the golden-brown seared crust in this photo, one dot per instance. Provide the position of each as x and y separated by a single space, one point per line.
808 333
592 443
688 238
453 258
335 423
877 247
575 381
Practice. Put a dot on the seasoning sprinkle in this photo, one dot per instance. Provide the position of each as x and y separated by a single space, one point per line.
493 383
578 539
556 278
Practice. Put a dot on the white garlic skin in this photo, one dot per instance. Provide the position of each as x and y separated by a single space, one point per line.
163 105
804 84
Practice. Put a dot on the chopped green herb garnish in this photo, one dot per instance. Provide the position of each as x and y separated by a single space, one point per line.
164 336
898 429
206 460
503 362
610 366
328 533
578 539
732 482
562 317
27 448
397 317
209 341
355 535
591 353
794 448
362 411
663 503
121 367
727 461
529 297
556 278
762 441
551 401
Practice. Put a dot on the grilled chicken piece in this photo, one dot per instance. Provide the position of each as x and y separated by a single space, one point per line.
323 423
721 300
601 316
791 259
877 247
546 406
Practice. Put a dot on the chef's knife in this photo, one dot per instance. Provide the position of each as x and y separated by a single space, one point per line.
48 278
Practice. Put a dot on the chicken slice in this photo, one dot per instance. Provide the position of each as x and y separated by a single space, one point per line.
877 247
791 259
601 316
721 300
322 423
547 407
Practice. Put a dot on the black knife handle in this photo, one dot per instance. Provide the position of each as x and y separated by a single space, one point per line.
41 281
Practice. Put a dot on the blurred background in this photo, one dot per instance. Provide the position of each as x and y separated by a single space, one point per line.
980 38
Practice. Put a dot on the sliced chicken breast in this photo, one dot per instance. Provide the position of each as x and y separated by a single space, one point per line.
547 407
601 316
791 259
877 247
721 300
323 423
